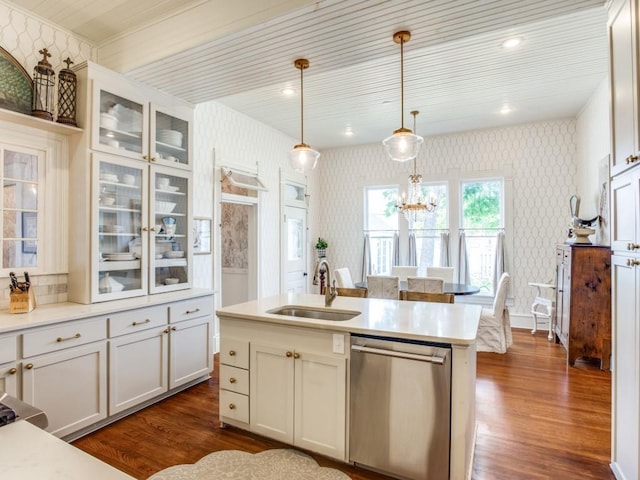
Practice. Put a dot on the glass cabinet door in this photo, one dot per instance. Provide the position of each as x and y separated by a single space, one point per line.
121 221
170 137
170 252
120 124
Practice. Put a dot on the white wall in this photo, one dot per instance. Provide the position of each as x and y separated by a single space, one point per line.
540 156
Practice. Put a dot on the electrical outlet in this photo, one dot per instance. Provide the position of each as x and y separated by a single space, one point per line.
338 343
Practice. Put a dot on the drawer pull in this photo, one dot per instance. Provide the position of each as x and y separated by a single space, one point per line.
64 339
232 353
232 380
632 246
189 312
13 371
232 406
146 320
296 355
631 159
632 263
29 366
288 354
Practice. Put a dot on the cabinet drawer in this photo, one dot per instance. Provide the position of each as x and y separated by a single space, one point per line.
234 405
187 309
234 352
63 336
8 349
137 320
234 379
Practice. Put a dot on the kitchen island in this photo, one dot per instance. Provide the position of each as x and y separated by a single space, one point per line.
286 375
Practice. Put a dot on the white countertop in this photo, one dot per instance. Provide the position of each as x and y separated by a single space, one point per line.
62 312
29 453
456 324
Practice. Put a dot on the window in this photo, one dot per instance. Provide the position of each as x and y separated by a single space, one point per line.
481 218
429 229
381 222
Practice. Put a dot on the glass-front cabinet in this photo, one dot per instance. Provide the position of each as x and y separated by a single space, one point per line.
141 228
128 124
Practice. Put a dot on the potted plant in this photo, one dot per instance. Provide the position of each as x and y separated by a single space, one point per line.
321 247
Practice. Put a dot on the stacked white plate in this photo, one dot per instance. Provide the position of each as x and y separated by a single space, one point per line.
169 188
119 257
109 177
171 137
174 254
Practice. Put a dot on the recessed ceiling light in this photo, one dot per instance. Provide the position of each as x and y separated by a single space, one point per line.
348 132
505 109
512 42
288 91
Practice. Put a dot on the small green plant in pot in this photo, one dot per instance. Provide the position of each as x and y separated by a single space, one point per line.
321 247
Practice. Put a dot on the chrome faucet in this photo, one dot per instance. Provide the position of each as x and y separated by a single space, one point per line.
330 291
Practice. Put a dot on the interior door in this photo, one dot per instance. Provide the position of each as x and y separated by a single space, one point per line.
295 238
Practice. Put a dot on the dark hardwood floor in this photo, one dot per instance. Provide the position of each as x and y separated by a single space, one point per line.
537 419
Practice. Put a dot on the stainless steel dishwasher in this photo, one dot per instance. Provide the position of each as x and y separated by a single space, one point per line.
400 407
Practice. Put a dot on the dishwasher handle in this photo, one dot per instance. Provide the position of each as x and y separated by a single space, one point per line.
438 360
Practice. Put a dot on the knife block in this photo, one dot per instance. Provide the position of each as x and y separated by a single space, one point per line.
22 302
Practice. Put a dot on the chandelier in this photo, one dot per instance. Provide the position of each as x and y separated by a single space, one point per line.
415 206
303 158
403 145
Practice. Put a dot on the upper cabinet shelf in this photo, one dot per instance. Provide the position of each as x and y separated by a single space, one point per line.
34 122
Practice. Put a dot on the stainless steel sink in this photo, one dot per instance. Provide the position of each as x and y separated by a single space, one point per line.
315 313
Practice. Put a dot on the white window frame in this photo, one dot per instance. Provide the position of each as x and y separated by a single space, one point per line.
367 229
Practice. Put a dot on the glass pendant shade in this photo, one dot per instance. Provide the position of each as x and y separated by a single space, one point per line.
403 145
303 157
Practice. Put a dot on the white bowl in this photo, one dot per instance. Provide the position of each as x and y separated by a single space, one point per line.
171 281
162 182
174 254
108 201
165 207
108 121
128 179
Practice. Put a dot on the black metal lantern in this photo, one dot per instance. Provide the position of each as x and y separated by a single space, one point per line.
67 87
43 86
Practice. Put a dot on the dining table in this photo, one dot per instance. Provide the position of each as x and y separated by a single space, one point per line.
454 288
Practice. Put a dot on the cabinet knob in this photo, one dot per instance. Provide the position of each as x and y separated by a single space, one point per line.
632 262
232 406
232 353
296 355
632 246
166 330
13 371
288 354
174 328
29 366
152 159
631 159
232 380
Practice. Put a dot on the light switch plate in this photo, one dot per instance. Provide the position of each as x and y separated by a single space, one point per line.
338 343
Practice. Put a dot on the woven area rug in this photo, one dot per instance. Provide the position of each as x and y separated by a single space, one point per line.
279 464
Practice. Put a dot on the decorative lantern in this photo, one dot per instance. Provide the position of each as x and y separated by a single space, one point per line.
67 87
43 85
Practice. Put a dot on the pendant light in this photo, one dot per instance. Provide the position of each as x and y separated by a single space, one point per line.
303 157
403 145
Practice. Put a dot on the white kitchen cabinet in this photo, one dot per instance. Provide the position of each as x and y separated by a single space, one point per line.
623 48
133 237
625 217
64 373
134 121
9 365
297 385
626 368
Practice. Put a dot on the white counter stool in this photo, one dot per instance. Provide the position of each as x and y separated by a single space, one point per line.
543 307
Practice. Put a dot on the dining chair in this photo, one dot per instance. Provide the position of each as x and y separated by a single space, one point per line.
402 272
446 273
425 284
351 292
383 286
494 329
343 278
429 297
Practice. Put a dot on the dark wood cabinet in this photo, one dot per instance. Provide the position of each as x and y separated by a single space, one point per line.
583 302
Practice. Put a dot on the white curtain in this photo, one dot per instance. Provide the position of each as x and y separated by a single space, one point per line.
366 258
395 256
413 254
463 267
445 254
498 264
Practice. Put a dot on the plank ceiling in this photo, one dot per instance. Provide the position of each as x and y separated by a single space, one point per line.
456 72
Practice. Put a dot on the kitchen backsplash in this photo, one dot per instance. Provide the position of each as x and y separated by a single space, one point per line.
47 288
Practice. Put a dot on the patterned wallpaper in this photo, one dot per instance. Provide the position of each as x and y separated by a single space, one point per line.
541 158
